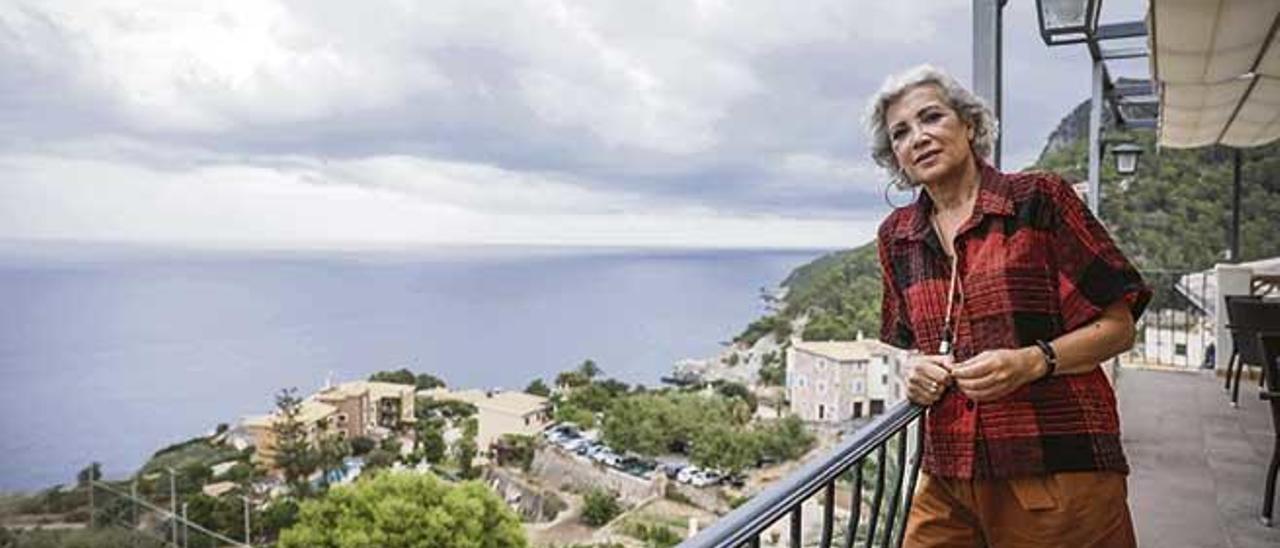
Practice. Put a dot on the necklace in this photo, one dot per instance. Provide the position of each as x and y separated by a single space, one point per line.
945 347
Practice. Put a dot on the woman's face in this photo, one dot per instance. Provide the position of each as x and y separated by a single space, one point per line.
929 139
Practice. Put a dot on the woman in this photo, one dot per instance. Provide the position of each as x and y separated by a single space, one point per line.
1011 294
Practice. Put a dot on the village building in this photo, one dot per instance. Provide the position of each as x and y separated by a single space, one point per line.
500 412
837 381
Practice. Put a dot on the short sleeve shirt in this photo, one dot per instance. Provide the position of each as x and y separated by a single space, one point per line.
1033 264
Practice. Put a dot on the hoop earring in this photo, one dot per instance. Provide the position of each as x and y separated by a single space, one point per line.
915 194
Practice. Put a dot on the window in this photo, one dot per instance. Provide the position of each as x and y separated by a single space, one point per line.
822 412
800 380
877 407
1180 349
857 387
857 409
822 386
884 380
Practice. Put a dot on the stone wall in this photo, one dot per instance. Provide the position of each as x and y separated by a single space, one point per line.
533 504
560 470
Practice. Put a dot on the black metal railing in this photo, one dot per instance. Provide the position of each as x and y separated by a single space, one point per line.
894 433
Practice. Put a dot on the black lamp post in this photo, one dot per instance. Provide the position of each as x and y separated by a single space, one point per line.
1067 21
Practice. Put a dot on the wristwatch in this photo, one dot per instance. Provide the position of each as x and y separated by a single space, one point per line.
1050 358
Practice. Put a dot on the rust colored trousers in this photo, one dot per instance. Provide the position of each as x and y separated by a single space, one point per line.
1066 509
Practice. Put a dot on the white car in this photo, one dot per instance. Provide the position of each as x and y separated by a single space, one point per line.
574 444
705 478
687 474
607 457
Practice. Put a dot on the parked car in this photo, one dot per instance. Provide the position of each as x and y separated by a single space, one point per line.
574 444
671 469
606 456
738 480
687 474
705 478
589 449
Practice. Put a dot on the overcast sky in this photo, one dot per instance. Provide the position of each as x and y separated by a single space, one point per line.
269 123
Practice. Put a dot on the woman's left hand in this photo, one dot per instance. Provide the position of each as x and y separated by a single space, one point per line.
994 373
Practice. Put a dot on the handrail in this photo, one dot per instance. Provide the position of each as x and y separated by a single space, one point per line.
744 524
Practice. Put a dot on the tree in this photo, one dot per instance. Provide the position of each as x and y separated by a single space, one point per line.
773 374
379 458
92 472
589 369
426 381
599 507
571 379
738 391
725 449
406 510
294 454
430 440
399 376
466 449
361 445
567 412
538 388
330 454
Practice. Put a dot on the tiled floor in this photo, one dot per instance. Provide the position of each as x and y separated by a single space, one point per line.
1198 465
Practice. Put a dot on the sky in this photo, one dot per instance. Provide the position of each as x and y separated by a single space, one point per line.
399 123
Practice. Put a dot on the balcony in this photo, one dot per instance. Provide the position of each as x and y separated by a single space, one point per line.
1197 473
1198 462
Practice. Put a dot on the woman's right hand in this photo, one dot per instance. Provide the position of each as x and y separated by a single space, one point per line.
927 378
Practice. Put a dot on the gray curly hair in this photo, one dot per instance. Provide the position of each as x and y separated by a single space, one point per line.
971 109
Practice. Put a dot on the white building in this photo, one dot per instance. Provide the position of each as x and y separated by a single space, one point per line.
835 381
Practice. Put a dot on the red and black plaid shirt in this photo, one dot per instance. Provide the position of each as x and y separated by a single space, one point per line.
1034 264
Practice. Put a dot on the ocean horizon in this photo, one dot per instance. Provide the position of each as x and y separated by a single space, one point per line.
113 352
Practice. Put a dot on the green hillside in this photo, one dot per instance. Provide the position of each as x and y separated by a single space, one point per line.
1173 214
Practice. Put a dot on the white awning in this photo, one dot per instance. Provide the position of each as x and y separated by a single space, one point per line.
1217 65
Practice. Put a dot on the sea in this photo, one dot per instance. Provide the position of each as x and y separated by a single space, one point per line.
108 353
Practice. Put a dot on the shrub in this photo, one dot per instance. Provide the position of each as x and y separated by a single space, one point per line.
600 507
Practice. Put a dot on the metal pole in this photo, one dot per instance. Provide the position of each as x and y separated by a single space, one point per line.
133 494
173 505
186 533
1235 206
1095 138
987 69
247 536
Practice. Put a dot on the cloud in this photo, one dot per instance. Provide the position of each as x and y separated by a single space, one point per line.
551 116
283 202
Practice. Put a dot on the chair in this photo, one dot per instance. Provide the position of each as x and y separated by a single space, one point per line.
1270 345
1247 315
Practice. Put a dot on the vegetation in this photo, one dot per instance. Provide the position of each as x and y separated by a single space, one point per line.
294 455
405 510
517 450
713 429
430 439
538 388
82 538
423 381
1174 212
466 449
600 507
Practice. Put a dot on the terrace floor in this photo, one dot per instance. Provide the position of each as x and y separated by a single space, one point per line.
1198 465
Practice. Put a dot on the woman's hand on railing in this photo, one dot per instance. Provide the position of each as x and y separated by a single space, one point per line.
927 378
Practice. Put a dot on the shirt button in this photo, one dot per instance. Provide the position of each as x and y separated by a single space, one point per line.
969 405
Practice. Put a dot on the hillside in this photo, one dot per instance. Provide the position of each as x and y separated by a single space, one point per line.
1173 214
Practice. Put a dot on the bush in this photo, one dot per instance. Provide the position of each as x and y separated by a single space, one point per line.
361 445
657 536
600 507
405 510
